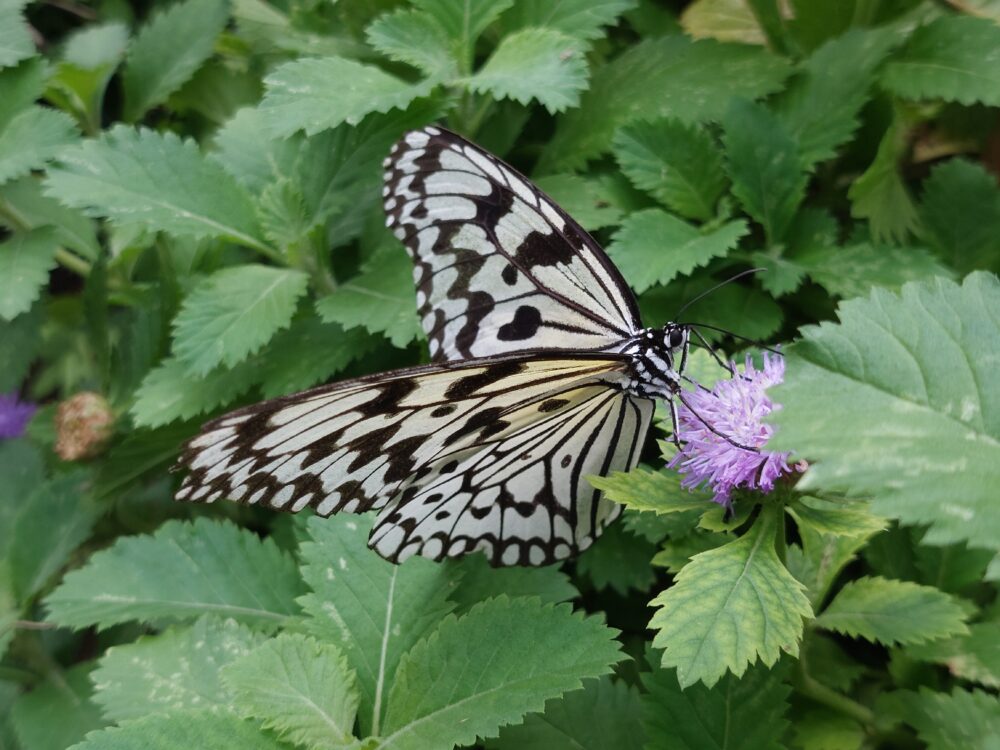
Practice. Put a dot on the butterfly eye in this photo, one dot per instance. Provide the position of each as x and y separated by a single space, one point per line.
676 338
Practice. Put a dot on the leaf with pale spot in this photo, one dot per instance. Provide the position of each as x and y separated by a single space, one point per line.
373 610
974 656
909 374
177 669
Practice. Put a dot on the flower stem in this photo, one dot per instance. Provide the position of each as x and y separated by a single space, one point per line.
811 688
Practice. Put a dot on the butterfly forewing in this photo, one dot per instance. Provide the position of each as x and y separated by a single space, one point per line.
498 266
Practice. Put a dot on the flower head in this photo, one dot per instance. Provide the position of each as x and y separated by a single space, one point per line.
734 408
14 415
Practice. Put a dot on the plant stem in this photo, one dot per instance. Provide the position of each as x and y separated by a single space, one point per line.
72 261
780 542
817 691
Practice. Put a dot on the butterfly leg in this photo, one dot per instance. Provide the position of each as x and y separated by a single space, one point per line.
675 424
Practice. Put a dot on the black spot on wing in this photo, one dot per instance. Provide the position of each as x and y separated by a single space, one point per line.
525 324
552 404
470 384
539 249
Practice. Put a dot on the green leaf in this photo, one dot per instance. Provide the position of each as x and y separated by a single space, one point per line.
652 247
880 195
301 688
23 199
154 180
828 663
839 519
583 19
619 560
763 162
25 261
954 568
373 610
729 607
215 568
742 309
955 58
20 340
314 94
956 721
488 668
15 41
22 472
308 352
477 580
974 656
166 394
601 716
821 106
535 64
852 271
167 51
182 729
415 38
678 164
821 729
51 522
646 490
960 209
463 21
31 138
175 670
233 313
58 712
590 202
380 299
693 81
891 612
908 373
746 713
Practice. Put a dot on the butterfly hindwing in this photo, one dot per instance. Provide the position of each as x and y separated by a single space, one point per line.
498 266
359 445
523 497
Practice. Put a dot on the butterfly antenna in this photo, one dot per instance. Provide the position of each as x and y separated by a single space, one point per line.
718 286
712 429
730 333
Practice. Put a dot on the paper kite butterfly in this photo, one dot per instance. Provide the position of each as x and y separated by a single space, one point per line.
542 375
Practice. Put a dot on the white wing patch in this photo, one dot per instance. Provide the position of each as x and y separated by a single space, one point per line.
499 268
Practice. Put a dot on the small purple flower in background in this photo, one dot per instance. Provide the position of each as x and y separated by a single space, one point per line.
735 407
14 415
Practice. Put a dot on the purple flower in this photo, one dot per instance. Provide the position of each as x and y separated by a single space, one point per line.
735 407
14 415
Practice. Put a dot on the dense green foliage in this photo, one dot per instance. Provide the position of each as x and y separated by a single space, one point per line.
190 203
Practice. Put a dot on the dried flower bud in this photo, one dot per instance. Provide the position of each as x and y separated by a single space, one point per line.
83 426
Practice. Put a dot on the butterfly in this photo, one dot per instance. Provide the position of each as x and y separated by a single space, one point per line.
541 374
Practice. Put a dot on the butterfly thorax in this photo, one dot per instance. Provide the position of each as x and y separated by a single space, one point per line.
657 357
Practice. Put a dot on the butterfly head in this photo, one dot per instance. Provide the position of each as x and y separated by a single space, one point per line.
658 357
